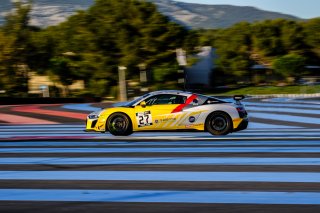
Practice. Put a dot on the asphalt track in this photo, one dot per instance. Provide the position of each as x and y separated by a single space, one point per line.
48 164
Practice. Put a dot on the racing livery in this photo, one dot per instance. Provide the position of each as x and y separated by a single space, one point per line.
171 111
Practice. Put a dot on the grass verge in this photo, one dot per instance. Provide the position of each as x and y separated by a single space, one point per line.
275 90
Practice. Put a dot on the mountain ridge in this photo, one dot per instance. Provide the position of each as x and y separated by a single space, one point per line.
214 16
192 15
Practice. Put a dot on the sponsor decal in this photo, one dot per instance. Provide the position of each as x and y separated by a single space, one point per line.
192 119
167 120
101 127
193 125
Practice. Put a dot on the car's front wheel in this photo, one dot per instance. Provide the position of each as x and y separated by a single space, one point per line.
219 123
119 124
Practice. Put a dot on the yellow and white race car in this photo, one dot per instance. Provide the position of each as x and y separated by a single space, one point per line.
171 110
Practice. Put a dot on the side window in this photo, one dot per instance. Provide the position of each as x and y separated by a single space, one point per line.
165 99
150 101
180 99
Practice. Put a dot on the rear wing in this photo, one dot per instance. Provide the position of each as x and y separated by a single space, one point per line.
238 98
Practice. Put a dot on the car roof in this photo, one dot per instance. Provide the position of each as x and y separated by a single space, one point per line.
175 92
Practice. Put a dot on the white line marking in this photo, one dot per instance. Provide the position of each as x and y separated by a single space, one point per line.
157 196
289 177
161 160
168 150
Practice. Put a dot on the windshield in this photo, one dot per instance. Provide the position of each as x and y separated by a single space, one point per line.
133 102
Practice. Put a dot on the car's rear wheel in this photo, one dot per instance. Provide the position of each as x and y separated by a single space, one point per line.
219 123
119 124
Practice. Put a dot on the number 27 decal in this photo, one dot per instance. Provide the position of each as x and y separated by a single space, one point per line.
144 118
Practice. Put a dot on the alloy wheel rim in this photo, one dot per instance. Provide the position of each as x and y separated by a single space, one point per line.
219 123
119 124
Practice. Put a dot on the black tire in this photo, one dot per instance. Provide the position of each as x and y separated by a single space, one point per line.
219 123
119 124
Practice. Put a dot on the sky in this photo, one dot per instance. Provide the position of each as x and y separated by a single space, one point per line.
301 8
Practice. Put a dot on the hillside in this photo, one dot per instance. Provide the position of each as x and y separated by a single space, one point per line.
214 16
52 12
49 12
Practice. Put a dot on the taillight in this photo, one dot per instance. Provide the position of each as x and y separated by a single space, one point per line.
242 112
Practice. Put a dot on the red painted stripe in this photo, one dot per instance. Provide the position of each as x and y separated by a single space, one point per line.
37 110
16 119
181 106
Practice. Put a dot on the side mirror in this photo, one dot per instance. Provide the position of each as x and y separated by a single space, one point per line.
143 104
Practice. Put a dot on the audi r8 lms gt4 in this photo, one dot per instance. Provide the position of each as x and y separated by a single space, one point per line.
171 111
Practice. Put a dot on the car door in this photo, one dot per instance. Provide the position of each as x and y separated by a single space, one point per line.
158 113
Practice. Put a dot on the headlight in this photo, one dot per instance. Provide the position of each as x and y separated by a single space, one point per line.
94 115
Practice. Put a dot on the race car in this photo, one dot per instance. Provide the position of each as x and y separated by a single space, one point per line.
171 110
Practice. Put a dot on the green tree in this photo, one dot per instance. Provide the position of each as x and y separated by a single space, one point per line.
63 69
104 37
7 73
292 35
312 30
312 38
16 32
233 50
290 65
266 38
243 45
